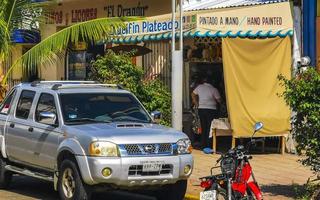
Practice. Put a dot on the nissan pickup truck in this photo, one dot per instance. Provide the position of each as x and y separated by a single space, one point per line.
87 137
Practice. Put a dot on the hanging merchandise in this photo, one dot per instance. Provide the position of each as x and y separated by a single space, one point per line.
196 125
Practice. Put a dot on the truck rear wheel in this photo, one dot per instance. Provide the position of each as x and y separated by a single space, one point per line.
172 192
70 185
5 175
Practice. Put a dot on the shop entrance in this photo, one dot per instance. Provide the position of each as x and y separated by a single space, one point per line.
203 59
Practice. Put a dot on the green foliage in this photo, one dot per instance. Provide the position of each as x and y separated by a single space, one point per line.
18 14
118 69
157 97
302 94
27 14
50 49
306 191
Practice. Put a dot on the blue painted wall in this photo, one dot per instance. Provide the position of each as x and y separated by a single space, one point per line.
309 29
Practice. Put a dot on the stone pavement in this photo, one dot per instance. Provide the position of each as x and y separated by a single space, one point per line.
275 173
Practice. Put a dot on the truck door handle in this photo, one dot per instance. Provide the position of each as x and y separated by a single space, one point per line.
30 129
12 125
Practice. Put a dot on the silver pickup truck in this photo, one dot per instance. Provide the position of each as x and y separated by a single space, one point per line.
86 137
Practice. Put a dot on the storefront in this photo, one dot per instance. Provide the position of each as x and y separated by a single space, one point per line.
242 50
75 64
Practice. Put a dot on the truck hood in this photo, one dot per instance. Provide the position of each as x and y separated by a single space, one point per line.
127 133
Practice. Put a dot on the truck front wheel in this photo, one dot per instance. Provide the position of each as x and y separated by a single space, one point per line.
70 185
5 175
172 192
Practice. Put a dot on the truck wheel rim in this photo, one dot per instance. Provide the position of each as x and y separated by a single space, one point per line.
68 183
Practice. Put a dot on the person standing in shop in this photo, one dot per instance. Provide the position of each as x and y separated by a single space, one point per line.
206 98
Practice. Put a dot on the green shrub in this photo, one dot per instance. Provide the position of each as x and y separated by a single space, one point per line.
302 94
306 191
118 69
157 97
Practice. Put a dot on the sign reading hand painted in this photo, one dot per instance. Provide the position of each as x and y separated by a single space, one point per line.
250 21
269 17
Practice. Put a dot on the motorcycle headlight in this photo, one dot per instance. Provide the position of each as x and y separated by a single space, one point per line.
184 146
104 149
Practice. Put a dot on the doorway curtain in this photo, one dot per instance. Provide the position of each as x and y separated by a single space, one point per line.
251 68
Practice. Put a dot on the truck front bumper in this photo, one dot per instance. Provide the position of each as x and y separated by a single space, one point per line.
128 171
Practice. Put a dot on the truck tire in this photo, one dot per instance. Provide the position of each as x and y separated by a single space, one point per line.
70 185
172 192
5 176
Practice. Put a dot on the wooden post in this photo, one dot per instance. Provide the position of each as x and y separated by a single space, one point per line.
214 142
283 144
233 145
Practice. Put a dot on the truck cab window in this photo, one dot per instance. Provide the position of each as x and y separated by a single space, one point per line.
6 105
24 104
46 103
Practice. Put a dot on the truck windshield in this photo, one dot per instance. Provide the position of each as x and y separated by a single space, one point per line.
101 107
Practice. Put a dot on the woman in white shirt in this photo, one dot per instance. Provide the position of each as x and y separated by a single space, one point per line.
206 98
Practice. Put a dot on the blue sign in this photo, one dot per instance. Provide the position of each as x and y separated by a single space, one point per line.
25 36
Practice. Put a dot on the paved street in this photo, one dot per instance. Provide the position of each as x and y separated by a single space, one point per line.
276 173
26 188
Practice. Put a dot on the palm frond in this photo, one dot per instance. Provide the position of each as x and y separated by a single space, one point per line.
19 13
48 49
4 40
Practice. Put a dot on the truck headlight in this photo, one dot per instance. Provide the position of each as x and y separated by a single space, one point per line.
107 149
184 146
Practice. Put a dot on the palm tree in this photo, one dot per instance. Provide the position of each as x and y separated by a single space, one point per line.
49 49
17 14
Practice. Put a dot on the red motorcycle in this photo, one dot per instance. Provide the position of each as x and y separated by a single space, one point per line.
234 182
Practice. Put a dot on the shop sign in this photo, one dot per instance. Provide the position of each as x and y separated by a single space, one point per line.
82 15
63 17
122 11
155 25
263 17
54 17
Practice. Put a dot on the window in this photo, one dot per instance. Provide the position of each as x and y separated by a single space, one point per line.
102 108
45 104
6 105
24 104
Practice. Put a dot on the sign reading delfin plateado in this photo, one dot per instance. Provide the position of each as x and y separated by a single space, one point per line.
270 17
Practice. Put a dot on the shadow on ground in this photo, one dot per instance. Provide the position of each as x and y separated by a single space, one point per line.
280 190
23 188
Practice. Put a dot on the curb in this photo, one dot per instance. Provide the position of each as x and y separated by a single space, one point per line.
191 197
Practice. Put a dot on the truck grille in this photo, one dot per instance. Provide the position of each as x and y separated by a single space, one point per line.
147 149
136 170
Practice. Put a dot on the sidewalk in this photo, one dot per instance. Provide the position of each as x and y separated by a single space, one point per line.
275 173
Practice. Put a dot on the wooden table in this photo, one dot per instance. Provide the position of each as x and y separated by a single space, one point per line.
220 127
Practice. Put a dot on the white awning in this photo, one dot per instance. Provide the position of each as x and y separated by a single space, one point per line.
210 4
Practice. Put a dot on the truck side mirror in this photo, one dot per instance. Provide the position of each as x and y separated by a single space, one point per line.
48 118
156 116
